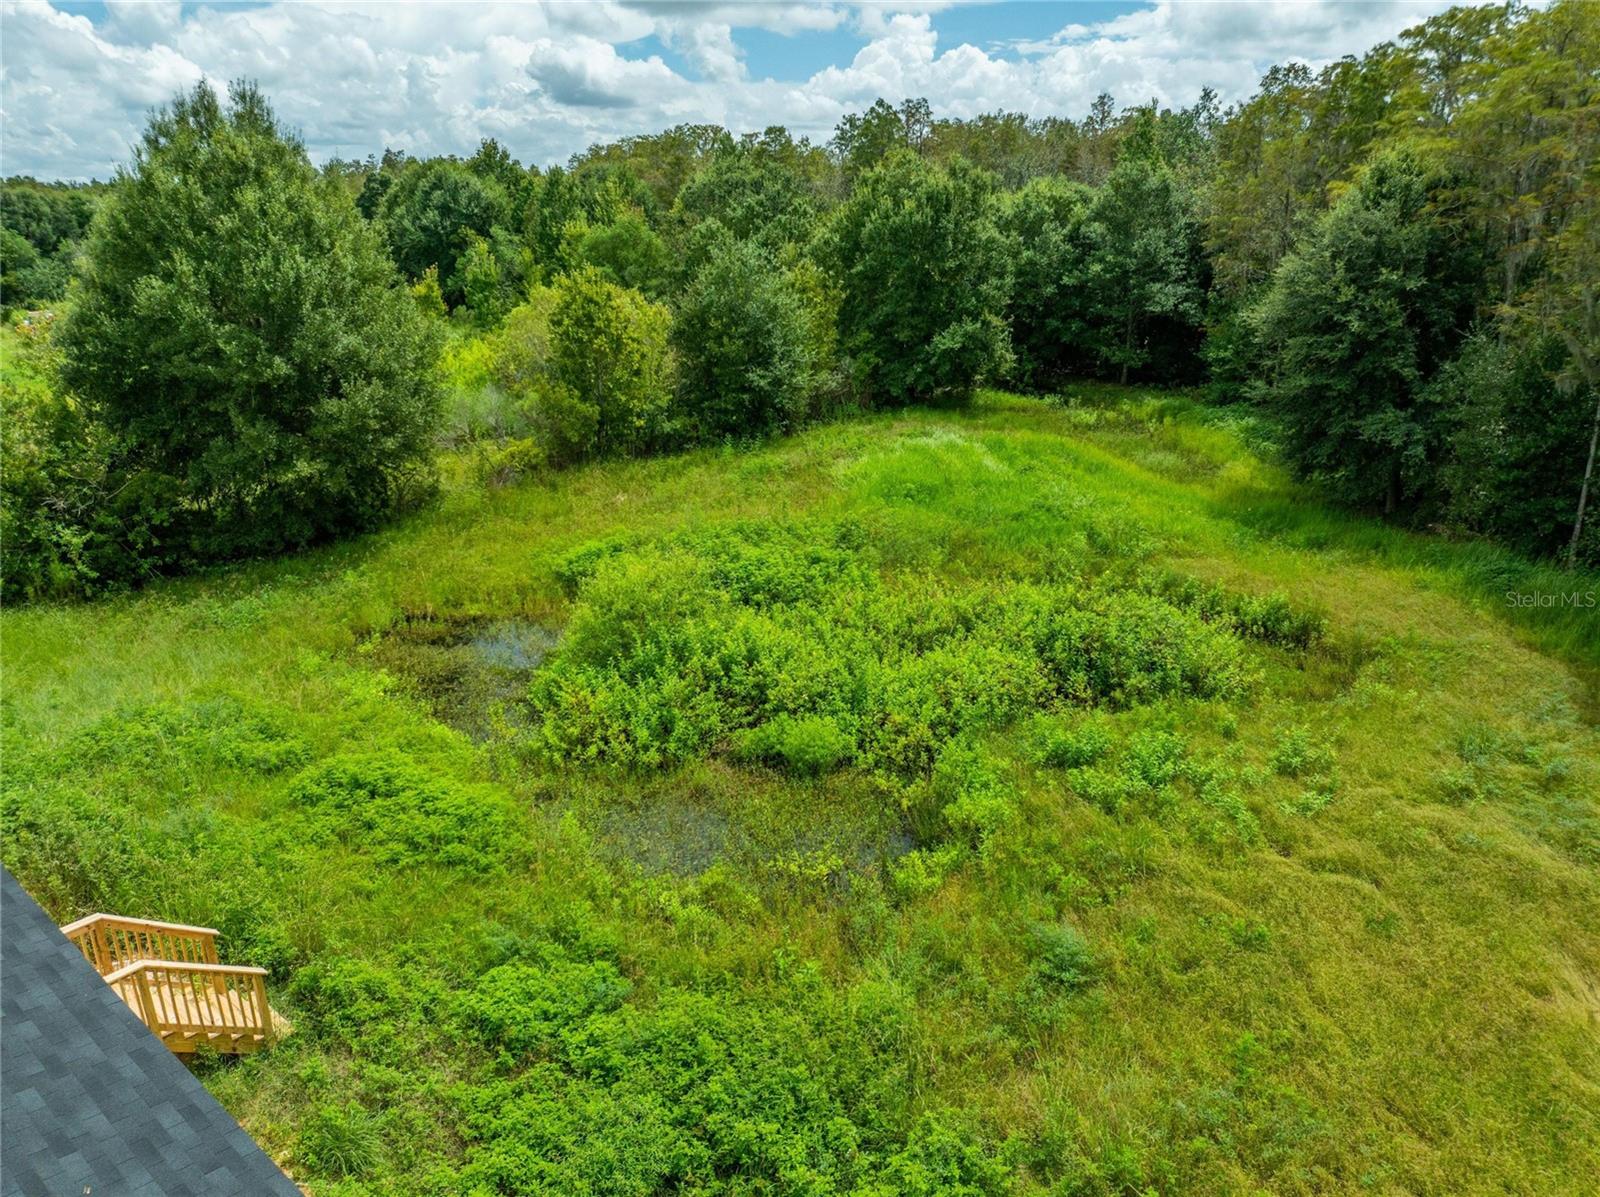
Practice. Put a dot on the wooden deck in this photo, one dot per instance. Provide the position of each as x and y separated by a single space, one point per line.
169 975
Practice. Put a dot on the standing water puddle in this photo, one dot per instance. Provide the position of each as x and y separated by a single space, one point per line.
472 673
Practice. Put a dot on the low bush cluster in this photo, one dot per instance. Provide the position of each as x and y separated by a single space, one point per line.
384 804
789 645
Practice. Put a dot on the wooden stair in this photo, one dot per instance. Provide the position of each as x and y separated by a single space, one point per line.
169 976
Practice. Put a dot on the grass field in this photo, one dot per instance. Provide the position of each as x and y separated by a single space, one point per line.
1045 798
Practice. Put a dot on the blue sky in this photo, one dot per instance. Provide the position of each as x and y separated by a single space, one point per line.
549 78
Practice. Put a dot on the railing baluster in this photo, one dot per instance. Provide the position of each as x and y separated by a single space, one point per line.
262 1015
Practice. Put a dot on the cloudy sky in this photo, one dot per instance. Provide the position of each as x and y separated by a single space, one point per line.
549 78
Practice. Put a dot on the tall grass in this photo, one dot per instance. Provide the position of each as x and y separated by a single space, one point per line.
1089 867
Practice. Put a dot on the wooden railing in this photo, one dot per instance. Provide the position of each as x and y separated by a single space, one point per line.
224 1005
168 974
109 942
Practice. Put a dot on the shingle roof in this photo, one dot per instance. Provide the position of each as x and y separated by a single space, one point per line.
90 1101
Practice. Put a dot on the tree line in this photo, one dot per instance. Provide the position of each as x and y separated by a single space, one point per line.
1395 259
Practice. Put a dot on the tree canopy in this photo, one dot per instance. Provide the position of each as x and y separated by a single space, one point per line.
242 335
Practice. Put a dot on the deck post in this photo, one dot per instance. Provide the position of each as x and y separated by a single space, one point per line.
147 1001
102 948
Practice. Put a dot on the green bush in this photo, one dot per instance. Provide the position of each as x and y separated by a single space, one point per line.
1069 747
529 1008
1060 957
1299 754
383 803
690 1091
354 1001
922 870
341 1140
808 746
1269 618
698 644
65 529
973 797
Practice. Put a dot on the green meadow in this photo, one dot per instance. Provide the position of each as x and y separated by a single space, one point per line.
1042 798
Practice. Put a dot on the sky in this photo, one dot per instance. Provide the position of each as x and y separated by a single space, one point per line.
551 77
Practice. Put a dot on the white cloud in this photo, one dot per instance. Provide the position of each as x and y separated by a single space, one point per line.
549 78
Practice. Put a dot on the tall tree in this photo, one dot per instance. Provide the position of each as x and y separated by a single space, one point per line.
1358 318
1142 265
432 215
924 272
609 351
1046 226
742 346
243 336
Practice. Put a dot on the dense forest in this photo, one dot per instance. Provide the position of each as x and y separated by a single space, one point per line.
1395 258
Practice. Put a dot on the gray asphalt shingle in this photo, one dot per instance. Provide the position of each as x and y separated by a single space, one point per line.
90 1100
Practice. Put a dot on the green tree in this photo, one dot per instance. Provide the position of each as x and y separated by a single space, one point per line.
242 336
662 162
433 213
1357 319
564 205
483 284
1518 442
369 200
609 351
1140 277
863 139
755 191
1045 223
741 336
923 271
628 252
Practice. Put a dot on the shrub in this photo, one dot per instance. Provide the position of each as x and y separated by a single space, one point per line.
808 746
1063 747
974 798
1298 754
1154 758
922 870
1127 649
341 1140
65 528
382 803
783 645
509 461
1269 618
353 1001
941 1160
255 362
528 1007
1060 957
